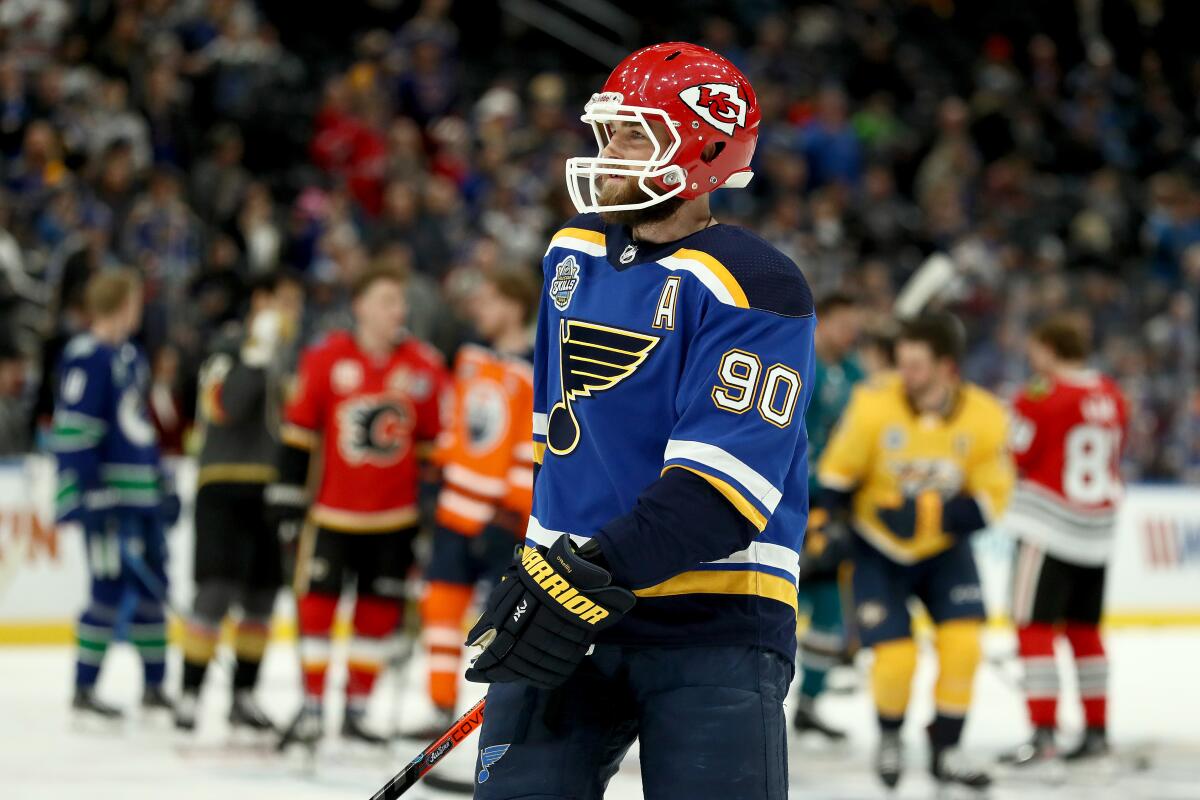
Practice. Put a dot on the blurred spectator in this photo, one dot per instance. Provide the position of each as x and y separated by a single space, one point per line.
14 405
166 403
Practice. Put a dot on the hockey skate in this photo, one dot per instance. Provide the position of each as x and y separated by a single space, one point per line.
889 758
441 721
245 714
89 707
185 711
806 720
954 776
154 700
306 729
1038 750
354 729
1093 747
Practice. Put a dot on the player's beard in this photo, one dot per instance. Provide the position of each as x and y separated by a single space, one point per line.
613 193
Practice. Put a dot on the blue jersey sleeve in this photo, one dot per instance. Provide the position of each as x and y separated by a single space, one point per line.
740 433
82 415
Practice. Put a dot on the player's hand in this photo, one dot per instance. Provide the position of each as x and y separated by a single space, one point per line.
285 507
826 544
543 616
917 517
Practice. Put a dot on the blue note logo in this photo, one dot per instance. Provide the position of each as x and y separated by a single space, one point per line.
488 757
566 280
592 359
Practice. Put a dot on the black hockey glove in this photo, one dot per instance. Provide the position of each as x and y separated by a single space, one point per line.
927 514
826 545
543 616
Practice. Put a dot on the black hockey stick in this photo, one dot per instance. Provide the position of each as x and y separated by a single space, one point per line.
458 733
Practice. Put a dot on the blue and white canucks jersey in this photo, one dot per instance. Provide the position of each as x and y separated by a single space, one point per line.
105 444
694 355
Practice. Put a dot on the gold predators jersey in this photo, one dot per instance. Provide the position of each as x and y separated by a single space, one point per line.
884 451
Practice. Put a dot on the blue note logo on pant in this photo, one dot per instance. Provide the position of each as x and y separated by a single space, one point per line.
488 756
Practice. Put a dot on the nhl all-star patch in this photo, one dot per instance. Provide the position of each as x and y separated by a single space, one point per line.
566 281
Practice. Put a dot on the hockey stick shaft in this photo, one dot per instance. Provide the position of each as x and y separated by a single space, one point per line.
457 733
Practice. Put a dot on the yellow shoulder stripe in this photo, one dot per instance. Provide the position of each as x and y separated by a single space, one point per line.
595 237
726 581
720 271
747 509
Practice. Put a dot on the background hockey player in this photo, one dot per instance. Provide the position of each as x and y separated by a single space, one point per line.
237 554
110 480
486 454
1068 431
920 460
671 374
365 401
835 374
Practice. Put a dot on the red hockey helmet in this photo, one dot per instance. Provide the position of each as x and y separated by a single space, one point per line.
701 98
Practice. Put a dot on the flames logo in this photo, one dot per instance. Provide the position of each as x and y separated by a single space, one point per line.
375 429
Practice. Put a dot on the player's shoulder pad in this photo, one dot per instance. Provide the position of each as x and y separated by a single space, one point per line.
989 413
81 347
745 271
584 232
427 352
329 345
1038 388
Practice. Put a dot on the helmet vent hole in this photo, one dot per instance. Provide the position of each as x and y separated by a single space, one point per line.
673 55
711 151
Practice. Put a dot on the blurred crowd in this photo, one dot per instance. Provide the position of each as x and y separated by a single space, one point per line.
1051 150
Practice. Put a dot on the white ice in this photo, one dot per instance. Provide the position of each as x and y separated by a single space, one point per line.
1155 711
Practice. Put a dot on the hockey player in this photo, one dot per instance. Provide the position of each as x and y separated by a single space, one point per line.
672 369
237 555
1068 429
836 372
110 480
486 454
366 400
919 458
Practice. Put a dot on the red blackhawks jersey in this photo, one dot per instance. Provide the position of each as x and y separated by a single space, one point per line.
1067 438
370 417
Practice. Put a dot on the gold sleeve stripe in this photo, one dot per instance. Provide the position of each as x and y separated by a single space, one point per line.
295 436
747 509
539 452
595 237
745 582
721 273
236 473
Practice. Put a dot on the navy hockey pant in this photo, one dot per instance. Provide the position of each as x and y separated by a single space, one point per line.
127 562
710 723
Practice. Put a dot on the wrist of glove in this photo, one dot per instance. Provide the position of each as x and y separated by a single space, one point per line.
543 617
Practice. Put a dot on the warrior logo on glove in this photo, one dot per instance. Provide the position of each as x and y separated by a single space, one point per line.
558 588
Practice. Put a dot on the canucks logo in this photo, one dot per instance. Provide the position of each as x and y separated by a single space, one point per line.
566 278
488 756
591 358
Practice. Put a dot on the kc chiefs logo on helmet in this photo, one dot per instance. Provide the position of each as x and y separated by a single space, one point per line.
719 104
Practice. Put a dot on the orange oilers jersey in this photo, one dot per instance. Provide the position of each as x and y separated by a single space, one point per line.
486 446
370 417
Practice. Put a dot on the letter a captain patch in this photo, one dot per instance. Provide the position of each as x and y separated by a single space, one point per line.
488 757
592 358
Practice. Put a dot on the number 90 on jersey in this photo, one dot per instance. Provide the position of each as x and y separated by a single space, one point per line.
742 379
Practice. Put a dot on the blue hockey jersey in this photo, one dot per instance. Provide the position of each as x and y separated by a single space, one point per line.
104 442
669 376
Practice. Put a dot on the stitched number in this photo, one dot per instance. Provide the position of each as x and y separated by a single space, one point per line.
739 378
1090 464
781 390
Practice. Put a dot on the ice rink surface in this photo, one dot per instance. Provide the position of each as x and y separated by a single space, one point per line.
44 755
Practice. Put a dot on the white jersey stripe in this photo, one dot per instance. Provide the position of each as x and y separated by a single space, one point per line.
712 456
579 245
702 273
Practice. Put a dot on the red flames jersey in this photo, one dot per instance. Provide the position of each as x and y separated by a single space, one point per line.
1067 439
371 417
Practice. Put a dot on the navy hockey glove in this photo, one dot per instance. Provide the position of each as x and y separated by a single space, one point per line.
928 515
543 616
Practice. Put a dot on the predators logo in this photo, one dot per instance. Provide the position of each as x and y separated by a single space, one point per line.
592 358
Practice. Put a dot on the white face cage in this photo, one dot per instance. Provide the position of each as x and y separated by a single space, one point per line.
582 173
